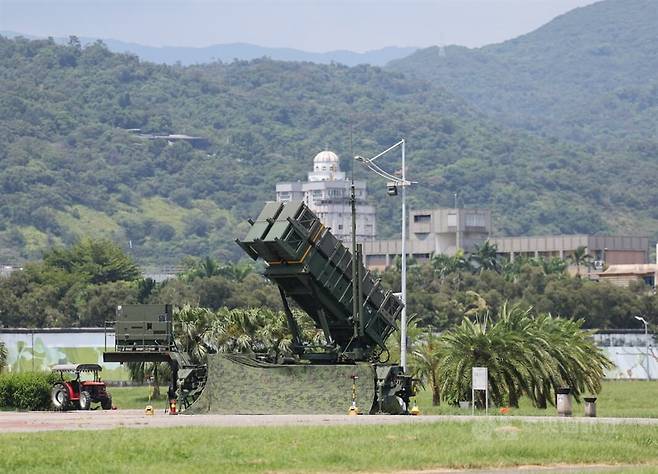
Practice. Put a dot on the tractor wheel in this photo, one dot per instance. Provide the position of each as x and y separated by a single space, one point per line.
85 400
59 397
106 403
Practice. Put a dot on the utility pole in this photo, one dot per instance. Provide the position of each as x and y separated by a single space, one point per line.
393 183
646 339
403 276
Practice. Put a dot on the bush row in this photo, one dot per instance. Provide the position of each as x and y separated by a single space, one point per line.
26 391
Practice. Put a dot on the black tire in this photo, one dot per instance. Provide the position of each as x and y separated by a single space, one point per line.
106 403
59 397
85 400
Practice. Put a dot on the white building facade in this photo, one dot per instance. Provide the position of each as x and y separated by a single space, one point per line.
327 193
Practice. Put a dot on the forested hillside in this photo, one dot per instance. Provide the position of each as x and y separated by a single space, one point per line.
70 167
589 76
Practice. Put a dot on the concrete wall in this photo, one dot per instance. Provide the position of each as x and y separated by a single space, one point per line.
40 349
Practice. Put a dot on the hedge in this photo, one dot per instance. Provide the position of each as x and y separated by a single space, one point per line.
26 390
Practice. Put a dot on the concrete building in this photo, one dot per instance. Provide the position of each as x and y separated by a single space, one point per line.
605 250
432 231
444 230
327 193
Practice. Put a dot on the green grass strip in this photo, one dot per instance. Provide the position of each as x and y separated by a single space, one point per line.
363 448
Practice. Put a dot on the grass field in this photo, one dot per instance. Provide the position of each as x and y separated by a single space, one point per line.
623 398
136 397
364 448
618 398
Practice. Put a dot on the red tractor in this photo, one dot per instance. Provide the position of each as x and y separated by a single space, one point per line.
76 393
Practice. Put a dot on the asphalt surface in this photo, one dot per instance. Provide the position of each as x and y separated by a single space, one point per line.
13 422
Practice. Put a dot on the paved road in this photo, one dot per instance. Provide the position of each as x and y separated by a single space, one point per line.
94 420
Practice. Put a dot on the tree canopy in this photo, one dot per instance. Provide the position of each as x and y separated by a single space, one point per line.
72 164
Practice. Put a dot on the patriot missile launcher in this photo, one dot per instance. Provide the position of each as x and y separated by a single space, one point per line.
314 270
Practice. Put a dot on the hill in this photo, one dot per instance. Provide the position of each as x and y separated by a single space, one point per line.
589 76
71 167
244 51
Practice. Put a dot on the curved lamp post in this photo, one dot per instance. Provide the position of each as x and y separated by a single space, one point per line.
392 185
646 338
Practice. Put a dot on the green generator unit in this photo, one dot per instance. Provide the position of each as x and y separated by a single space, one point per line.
144 327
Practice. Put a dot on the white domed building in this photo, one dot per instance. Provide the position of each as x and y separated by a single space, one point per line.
326 167
327 193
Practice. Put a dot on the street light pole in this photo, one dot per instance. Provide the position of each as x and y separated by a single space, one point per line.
394 182
403 276
646 338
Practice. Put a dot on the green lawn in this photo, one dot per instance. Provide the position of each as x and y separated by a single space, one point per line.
618 398
501 442
623 398
137 397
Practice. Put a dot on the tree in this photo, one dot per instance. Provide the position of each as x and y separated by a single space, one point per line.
94 261
154 373
3 355
425 364
485 257
526 354
580 257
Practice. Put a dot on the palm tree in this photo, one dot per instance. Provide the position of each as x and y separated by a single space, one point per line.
526 354
154 372
425 364
192 329
554 265
580 257
237 271
486 257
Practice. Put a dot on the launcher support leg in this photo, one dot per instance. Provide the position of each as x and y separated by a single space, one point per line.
297 343
323 319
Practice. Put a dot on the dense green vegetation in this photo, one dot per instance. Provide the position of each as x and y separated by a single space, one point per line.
26 391
81 285
355 448
527 354
442 291
71 167
588 76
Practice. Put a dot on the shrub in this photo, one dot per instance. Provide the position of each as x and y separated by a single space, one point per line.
3 355
26 391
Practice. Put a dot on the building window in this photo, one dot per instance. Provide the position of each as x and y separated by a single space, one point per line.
340 226
474 220
452 220
422 218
